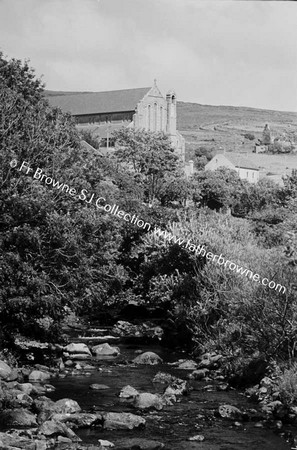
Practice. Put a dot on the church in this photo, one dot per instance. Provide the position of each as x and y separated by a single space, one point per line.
105 112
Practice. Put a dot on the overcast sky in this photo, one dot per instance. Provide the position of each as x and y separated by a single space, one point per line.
211 52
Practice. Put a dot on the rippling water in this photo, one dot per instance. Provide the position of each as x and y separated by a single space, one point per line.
174 424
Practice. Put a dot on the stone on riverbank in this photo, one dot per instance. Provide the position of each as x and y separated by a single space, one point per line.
80 420
177 387
18 417
198 374
67 406
197 438
230 412
99 387
78 348
149 358
122 421
105 444
52 428
5 370
187 365
164 378
38 375
105 350
147 400
79 356
43 403
15 442
128 392
27 388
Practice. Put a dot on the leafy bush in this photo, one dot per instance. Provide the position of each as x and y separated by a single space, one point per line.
249 136
287 385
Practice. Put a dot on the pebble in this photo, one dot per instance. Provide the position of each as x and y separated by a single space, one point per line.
197 438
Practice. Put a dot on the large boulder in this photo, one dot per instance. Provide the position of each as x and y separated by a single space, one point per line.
122 421
39 375
18 417
52 428
67 406
5 370
128 393
105 350
147 400
78 348
149 358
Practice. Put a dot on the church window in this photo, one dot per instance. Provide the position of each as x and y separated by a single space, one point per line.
155 117
161 118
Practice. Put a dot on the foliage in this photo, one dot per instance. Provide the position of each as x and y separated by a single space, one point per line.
231 310
55 249
217 189
149 156
249 136
89 137
175 189
202 156
287 385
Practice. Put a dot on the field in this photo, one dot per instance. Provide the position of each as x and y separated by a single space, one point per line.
223 127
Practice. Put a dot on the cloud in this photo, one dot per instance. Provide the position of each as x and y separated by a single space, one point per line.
230 52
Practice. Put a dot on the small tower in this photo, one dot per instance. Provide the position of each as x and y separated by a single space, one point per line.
266 135
171 113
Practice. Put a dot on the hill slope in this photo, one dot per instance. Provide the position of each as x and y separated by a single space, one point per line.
223 127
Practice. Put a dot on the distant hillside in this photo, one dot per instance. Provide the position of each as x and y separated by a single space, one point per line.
223 127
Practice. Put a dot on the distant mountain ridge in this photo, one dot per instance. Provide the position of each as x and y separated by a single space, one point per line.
223 127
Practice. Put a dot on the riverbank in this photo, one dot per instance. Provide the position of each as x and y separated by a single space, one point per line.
117 387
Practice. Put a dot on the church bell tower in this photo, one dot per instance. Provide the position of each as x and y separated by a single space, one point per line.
171 113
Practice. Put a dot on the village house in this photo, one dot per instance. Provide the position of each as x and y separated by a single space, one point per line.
105 112
242 165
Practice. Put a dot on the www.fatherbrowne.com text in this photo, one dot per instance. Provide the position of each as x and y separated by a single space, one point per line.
100 203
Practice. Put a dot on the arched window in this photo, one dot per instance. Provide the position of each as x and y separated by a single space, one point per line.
161 118
155 117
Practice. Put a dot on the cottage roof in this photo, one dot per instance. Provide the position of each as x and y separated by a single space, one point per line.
82 103
241 161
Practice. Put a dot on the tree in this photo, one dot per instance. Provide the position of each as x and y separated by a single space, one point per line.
175 189
89 137
202 156
149 156
55 250
217 189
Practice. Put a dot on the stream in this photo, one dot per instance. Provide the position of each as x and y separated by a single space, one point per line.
192 415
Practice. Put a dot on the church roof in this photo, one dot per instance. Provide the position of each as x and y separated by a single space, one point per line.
82 103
